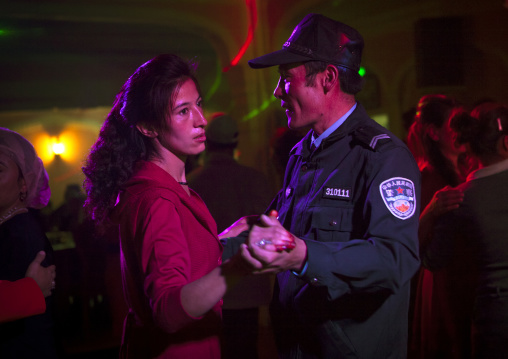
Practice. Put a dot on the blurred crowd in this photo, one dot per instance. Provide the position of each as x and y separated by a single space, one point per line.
457 294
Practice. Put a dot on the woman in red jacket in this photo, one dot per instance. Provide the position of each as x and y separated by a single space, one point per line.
172 270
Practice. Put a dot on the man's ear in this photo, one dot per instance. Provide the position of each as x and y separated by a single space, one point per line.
146 132
504 144
330 78
433 133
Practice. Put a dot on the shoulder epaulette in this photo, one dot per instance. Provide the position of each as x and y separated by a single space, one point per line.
372 137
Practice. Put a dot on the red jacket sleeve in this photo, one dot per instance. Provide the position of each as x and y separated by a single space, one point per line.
19 299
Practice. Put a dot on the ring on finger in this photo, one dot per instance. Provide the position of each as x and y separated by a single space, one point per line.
263 242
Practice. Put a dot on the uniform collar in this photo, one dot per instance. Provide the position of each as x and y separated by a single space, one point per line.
489 170
355 119
317 141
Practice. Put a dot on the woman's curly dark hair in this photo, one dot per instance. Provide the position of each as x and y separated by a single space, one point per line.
145 99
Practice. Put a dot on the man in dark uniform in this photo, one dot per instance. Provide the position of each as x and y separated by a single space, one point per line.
350 199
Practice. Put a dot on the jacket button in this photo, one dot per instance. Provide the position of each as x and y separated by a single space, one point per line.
333 223
314 281
304 168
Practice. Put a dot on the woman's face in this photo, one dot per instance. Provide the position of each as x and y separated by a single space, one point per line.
447 139
185 134
10 183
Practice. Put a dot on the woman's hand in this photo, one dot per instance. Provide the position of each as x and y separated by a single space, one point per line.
44 277
444 200
236 228
244 224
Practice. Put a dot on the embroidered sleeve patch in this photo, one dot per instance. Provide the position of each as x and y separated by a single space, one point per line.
398 193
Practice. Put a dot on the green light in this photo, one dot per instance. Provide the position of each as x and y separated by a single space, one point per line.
216 83
250 115
362 71
257 111
3 32
264 105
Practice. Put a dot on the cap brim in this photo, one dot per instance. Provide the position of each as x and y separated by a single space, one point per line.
280 57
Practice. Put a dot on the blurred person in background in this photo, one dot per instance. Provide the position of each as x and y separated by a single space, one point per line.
441 160
230 191
443 164
476 232
24 184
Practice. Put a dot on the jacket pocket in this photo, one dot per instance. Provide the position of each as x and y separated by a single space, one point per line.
332 224
334 342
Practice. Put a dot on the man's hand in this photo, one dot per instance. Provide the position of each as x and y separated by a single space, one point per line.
275 248
44 277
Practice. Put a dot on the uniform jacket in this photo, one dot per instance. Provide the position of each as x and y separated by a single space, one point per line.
19 299
168 239
355 202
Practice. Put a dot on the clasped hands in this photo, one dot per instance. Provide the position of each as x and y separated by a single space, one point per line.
270 248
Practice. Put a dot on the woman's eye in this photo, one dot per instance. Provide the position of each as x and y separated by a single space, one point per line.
184 111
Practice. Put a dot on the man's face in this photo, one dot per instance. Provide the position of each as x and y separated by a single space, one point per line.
301 101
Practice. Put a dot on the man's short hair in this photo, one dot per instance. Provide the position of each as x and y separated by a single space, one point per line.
350 81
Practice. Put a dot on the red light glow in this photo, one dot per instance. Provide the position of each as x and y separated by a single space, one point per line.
253 17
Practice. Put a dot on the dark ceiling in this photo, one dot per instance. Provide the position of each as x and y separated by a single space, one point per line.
75 64
78 53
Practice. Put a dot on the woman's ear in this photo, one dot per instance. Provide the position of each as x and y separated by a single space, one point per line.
22 188
146 132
